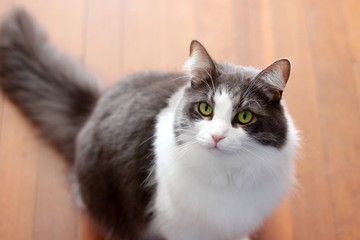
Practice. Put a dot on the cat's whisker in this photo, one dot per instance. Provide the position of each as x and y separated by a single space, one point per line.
254 176
252 145
150 154
186 144
248 89
148 139
181 77
187 130
269 167
247 101
183 152
145 182
207 84
180 150
252 153
212 80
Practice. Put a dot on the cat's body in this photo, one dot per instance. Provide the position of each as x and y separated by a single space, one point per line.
160 155
108 139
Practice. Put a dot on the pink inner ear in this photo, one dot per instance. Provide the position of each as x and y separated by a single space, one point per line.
277 74
285 67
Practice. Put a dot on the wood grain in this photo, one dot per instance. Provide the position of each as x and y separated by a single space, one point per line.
302 99
104 38
54 215
18 175
18 169
338 97
117 37
4 5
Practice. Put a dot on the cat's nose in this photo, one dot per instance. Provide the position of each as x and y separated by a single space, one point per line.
217 138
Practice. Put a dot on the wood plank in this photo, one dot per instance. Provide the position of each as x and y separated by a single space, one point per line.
142 35
217 31
248 30
18 175
313 195
18 168
55 216
104 38
62 20
339 112
279 225
157 39
2 99
178 30
5 5
350 10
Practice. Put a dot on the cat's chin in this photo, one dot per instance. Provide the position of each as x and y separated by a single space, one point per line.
215 149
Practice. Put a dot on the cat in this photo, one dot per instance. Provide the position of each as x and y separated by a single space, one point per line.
203 154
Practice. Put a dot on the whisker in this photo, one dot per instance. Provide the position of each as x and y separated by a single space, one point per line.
181 77
147 140
212 80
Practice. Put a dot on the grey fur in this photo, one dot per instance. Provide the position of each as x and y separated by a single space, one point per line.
54 91
110 132
117 142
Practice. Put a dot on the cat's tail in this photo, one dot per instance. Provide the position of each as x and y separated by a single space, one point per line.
56 93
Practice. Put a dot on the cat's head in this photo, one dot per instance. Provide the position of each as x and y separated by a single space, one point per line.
228 107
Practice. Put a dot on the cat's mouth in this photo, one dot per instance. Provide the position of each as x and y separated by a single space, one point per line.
216 148
213 147
219 148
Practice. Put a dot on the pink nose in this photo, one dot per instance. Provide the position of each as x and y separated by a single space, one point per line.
217 138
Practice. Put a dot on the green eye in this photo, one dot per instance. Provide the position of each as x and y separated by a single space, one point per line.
244 117
205 109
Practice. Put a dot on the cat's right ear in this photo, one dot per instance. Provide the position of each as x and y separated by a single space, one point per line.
200 65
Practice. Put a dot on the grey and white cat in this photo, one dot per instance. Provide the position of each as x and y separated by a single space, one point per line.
206 154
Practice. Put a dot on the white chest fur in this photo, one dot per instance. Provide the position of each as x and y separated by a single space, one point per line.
209 195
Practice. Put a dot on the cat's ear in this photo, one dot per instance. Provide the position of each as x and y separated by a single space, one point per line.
199 65
276 75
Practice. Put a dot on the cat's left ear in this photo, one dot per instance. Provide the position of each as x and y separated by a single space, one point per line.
200 65
277 75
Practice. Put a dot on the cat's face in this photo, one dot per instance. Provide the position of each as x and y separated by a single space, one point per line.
228 109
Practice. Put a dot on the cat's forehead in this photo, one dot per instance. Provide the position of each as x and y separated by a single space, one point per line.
235 80
240 71
235 77
232 80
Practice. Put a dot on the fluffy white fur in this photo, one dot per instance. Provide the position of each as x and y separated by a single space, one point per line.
206 193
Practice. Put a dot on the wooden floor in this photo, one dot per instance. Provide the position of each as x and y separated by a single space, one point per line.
116 37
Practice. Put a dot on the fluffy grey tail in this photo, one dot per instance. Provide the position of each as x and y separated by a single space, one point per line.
55 92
